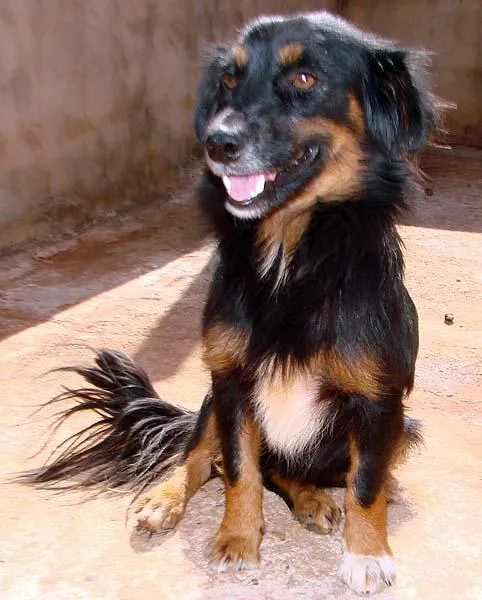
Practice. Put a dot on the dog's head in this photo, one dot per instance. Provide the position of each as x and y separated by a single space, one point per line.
292 109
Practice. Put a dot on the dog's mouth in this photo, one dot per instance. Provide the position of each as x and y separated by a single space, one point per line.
245 190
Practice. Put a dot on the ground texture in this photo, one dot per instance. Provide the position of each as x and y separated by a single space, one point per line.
137 284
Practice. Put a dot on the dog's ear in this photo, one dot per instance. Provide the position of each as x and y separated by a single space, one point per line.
399 110
208 94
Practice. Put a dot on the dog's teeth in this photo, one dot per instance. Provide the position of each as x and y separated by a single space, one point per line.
259 187
227 183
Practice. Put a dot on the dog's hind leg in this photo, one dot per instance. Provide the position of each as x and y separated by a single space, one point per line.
314 508
162 507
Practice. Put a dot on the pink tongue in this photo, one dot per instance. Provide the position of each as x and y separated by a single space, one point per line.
243 188
246 187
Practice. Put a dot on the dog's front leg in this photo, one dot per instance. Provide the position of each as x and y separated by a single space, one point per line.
236 544
367 563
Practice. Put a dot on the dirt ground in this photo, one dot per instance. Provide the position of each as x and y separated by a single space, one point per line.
137 284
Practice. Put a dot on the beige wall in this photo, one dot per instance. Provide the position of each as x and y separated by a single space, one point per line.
452 29
96 99
96 95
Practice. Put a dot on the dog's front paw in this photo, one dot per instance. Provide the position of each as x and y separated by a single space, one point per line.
159 509
367 574
231 552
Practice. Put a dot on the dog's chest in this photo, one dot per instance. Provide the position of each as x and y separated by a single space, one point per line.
289 411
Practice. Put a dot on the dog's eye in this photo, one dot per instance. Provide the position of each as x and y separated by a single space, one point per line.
304 81
230 81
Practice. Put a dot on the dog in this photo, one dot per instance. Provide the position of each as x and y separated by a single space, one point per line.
310 128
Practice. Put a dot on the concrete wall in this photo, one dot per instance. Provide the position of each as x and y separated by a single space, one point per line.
452 29
96 95
96 99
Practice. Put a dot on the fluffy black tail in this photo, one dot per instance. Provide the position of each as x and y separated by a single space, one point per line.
136 440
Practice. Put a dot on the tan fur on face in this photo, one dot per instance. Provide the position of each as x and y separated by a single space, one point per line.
342 173
281 230
340 176
290 53
240 55
225 347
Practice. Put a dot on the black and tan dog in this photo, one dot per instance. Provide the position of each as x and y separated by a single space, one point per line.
311 338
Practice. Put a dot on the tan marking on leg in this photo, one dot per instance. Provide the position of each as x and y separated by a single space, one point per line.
236 545
367 562
240 55
290 53
225 347
312 507
162 507
366 528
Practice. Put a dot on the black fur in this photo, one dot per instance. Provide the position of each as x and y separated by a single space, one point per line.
344 285
342 290
137 439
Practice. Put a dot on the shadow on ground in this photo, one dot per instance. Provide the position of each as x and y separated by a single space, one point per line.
450 197
171 341
37 286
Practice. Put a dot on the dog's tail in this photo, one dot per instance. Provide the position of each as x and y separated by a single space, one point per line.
411 439
135 440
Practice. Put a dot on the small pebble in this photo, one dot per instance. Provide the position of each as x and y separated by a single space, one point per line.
429 191
449 318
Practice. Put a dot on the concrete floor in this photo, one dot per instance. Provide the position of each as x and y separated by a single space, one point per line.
137 285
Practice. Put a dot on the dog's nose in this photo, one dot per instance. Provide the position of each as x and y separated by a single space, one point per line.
223 147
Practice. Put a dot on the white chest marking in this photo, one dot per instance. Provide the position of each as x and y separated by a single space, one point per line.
290 412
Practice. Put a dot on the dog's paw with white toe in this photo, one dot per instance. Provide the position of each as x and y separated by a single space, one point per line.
160 509
367 574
